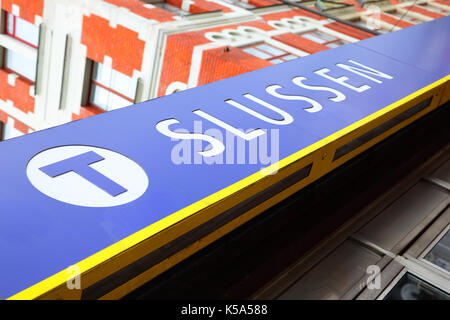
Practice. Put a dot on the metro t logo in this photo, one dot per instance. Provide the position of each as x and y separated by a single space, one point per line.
80 165
87 176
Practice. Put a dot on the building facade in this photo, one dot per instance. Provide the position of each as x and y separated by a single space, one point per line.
63 60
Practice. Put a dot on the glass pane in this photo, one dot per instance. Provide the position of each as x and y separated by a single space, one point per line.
171 8
257 53
240 4
312 37
117 102
410 287
101 74
115 80
269 49
324 36
21 65
440 254
26 31
10 23
123 84
332 45
99 97
289 57
276 61
336 44
107 100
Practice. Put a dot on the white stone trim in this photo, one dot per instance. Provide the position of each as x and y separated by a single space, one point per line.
25 50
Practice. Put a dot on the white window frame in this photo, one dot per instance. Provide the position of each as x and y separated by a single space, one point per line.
109 92
20 48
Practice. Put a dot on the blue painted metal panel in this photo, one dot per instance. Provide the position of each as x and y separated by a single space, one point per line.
40 236
426 45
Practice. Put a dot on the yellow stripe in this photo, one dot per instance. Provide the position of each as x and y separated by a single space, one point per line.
96 267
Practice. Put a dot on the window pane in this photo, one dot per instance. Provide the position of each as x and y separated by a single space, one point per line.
336 44
10 23
123 84
171 8
440 254
27 31
269 49
240 4
102 75
276 61
107 100
21 65
257 53
314 38
289 57
117 102
410 287
99 97
332 45
115 80
324 36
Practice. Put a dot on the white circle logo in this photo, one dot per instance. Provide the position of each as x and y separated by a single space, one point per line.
87 176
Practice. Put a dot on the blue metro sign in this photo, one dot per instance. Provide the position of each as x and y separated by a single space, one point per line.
111 190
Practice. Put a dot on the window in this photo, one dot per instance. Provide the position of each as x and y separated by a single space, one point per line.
324 38
240 4
440 254
168 7
410 287
26 33
22 30
111 89
268 52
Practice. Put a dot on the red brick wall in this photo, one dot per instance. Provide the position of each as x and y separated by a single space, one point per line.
395 21
28 8
290 14
263 3
120 43
297 41
18 94
178 52
349 31
22 127
444 2
18 125
424 12
220 64
87 111
3 116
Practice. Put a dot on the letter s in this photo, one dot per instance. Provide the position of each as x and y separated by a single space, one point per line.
339 95
315 106
217 147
